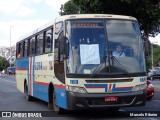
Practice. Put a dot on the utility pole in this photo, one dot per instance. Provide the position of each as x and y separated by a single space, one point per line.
10 43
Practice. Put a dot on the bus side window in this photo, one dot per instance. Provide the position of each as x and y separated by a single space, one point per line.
21 49
58 58
39 44
32 46
18 46
25 48
48 40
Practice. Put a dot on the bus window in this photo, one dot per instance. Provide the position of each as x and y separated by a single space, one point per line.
32 46
58 39
21 49
26 48
39 45
48 41
18 50
58 60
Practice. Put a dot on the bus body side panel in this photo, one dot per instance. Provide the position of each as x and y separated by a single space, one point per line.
61 95
43 76
22 72
41 90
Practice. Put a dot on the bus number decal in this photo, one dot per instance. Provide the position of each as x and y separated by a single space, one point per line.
73 81
38 66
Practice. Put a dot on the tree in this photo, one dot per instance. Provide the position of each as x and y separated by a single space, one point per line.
146 11
156 57
3 63
69 8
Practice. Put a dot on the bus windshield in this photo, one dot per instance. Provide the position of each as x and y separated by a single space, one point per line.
107 47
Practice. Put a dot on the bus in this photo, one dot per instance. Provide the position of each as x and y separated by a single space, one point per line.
69 64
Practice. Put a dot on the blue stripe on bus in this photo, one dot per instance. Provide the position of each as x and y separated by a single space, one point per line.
22 63
61 97
41 92
122 89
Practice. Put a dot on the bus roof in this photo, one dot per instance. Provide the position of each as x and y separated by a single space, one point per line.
75 16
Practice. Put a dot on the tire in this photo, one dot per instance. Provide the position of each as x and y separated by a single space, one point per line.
149 98
56 109
27 97
114 109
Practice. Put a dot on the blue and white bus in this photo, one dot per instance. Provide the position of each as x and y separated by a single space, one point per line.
69 63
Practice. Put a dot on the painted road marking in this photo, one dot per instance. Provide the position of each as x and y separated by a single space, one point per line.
156 100
8 80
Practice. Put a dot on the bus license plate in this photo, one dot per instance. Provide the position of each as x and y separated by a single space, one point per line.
111 99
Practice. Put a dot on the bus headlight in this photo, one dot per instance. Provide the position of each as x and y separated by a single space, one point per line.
139 87
77 89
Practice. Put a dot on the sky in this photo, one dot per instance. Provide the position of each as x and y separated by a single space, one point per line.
19 17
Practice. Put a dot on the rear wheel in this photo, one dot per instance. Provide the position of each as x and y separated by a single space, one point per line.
27 97
56 109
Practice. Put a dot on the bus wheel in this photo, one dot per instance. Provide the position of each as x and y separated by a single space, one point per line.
27 97
56 109
114 109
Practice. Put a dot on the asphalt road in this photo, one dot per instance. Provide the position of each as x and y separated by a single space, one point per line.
13 100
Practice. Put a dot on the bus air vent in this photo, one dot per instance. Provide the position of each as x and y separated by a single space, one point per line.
109 81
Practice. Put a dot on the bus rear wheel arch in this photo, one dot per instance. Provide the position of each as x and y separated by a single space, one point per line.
52 100
27 96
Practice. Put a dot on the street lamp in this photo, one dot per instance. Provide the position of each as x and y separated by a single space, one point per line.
152 51
10 41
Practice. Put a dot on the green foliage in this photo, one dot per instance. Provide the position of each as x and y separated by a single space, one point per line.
70 8
3 63
146 11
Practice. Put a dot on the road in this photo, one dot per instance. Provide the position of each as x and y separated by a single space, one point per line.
13 100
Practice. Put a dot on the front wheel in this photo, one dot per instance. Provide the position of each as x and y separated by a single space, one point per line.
56 109
149 98
114 109
27 97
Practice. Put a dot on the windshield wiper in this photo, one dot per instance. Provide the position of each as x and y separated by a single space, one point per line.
99 66
120 66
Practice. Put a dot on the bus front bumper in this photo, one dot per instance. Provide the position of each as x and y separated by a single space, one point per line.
85 101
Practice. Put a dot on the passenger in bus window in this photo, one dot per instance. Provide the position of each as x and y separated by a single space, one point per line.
118 52
19 55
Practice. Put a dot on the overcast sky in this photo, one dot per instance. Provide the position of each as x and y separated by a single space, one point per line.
25 16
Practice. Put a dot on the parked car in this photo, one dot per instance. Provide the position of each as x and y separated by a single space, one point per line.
11 70
150 90
154 73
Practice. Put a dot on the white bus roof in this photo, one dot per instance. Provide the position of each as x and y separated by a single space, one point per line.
76 16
